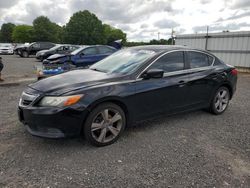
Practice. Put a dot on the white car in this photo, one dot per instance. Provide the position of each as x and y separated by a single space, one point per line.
6 48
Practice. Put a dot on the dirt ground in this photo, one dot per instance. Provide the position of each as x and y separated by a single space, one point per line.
194 149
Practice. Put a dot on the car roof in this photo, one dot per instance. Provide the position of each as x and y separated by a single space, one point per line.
163 48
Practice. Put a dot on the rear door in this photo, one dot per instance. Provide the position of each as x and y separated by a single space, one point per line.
34 48
201 75
167 94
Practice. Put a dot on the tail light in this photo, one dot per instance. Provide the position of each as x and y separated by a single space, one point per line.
234 72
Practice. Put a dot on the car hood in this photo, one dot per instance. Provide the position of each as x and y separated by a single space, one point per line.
5 48
41 52
56 56
72 80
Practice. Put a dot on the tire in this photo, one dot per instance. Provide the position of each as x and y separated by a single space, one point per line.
220 101
99 130
25 54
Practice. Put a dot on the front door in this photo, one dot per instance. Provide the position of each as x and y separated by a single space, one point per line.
161 95
86 57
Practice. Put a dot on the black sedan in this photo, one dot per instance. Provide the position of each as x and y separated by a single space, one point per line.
131 85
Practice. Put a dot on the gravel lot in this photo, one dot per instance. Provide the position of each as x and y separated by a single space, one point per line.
194 149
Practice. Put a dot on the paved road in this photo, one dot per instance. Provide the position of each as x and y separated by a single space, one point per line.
16 67
194 149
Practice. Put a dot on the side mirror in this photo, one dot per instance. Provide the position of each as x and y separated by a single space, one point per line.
82 54
153 73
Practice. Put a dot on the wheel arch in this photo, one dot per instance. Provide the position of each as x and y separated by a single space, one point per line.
229 87
225 84
111 99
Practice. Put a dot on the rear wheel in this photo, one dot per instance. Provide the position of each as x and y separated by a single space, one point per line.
220 101
25 54
104 124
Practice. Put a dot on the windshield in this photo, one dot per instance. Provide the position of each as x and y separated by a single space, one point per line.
55 47
29 45
5 45
123 61
78 50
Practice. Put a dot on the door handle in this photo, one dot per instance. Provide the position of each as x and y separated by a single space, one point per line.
181 83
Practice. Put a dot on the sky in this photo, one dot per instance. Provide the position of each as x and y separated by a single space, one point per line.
142 20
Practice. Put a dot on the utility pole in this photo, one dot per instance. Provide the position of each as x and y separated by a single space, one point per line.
172 37
158 36
206 39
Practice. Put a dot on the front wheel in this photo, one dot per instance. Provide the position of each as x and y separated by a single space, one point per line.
220 101
104 124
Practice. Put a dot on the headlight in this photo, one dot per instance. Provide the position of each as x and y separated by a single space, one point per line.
55 61
60 101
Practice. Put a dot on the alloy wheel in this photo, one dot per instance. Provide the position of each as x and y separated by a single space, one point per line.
106 125
221 100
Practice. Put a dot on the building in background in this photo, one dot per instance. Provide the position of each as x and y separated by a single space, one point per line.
231 47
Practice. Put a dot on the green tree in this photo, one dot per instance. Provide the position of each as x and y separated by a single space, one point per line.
6 32
84 28
112 34
45 30
161 41
23 33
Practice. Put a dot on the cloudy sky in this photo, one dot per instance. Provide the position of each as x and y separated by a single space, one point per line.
142 20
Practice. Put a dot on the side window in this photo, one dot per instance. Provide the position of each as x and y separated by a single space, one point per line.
60 49
198 59
217 62
90 51
65 48
173 61
45 45
36 45
49 45
72 48
105 50
210 60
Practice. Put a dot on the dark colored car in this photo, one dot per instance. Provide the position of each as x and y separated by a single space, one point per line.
58 49
32 49
82 57
131 85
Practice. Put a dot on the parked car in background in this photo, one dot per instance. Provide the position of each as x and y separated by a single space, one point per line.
6 48
33 48
58 49
82 57
131 85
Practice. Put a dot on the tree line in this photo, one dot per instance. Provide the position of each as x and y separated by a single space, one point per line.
83 28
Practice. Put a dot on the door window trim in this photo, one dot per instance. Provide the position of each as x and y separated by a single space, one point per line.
187 51
188 70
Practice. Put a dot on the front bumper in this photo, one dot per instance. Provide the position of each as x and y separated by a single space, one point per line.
6 52
52 122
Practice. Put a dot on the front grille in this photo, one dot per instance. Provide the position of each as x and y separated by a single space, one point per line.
27 99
